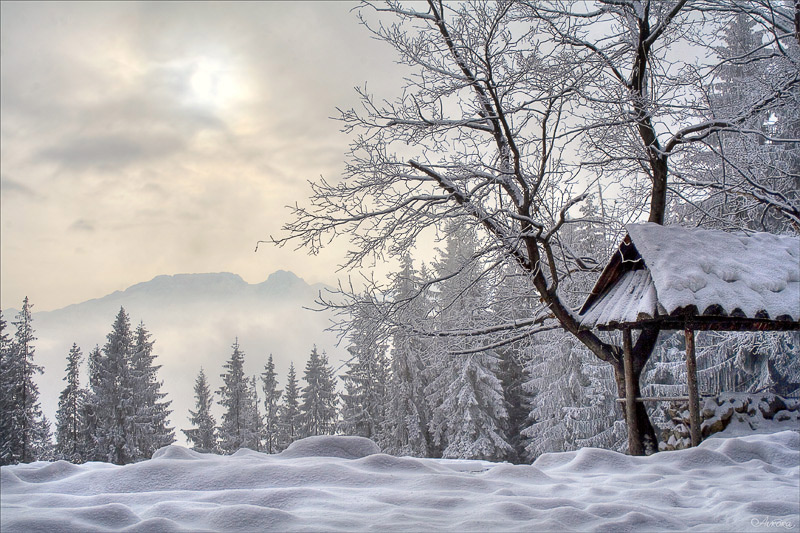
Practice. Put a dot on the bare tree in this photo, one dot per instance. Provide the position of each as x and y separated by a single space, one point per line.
513 112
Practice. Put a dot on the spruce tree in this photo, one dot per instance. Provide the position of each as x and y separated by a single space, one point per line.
113 400
6 390
512 375
235 399
69 418
43 447
318 407
271 428
405 431
25 432
513 301
572 397
151 430
475 410
91 407
364 398
255 424
204 435
289 412
469 409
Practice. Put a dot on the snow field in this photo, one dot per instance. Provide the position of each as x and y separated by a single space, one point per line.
749 483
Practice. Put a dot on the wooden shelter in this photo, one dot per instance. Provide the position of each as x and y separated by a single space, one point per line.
674 278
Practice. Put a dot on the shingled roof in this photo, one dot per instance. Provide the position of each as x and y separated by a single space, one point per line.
669 274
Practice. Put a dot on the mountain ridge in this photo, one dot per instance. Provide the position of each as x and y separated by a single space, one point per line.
276 284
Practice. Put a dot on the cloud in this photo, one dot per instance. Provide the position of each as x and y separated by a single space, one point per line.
180 130
113 151
82 224
12 187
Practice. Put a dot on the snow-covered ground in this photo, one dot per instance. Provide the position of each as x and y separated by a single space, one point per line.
749 483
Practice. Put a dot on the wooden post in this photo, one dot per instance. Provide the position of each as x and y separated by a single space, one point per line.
691 382
634 443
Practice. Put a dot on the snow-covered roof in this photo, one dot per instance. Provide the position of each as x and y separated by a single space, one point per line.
672 271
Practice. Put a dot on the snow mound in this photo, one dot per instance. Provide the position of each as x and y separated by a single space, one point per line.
49 472
585 460
343 484
331 446
783 452
177 452
381 462
246 452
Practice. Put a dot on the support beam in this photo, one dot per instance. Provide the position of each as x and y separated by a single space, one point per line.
634 444
691 382
658 399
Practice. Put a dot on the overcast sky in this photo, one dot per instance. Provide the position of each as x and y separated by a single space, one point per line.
159 138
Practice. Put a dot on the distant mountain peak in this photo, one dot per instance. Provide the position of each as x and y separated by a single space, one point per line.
284 276
169 290
198 283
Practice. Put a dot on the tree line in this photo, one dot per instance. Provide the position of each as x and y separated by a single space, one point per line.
410 384
120 418
288 415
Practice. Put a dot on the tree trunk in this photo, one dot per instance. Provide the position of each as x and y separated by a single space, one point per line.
797 20
658 196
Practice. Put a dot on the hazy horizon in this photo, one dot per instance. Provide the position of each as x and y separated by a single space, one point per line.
37 308
193 325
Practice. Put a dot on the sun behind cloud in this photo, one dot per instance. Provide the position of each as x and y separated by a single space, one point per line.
214 83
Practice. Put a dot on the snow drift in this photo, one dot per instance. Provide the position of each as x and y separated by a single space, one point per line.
747 483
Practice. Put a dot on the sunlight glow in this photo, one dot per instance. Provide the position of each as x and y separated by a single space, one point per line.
214 84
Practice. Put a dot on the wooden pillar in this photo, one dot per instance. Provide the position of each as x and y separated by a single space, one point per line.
634 442
691 382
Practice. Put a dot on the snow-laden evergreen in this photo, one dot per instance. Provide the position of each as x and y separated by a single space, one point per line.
512 375
289 412
755 172
151 430
91 408
124 413
406 431
203 436
70 424
364 399
469 415
475 403
271 427
559 388
113 400
24 431
5 393
318 405
254 420
235 397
